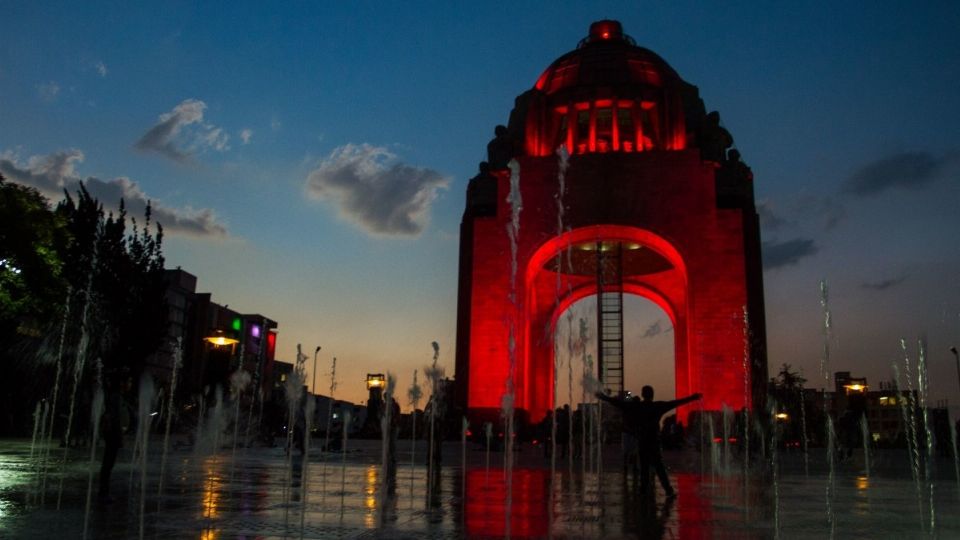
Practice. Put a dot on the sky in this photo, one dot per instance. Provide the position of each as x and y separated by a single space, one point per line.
309 161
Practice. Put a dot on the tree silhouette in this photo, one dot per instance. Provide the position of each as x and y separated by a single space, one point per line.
66 273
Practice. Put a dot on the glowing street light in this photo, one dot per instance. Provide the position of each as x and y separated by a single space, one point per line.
219 339
782 416
855 387
376 380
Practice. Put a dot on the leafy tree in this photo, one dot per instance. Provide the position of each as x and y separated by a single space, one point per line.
72 272
124 275
31 241
32 292
788 392
789 380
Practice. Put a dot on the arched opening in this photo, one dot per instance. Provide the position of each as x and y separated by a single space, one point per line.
649 348
582 264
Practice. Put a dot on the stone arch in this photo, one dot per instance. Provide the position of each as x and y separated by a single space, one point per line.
667 289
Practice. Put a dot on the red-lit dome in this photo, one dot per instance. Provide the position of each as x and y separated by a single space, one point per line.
607 57
607 95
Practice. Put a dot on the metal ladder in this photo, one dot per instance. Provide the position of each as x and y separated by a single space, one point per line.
610 316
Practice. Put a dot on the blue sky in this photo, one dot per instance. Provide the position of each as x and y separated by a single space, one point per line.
251 124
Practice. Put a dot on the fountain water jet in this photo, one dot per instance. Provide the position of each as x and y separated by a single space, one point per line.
923 384
774 469
326 440
309 407
38 411
343 460
388 441
198 432
145 407
413 394
907 405
47 428
727 420
434 374
515 200
239 381
831 478
293 390
563 163
488 431
174 368
803 428
746 396
464 429
96 412
714 448
80 360
827 330
865 435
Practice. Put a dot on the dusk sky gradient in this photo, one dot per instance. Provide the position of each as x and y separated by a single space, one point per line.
309 162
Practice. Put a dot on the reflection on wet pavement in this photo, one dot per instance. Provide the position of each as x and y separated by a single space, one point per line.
200 500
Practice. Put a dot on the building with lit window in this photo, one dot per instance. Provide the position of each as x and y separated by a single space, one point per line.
215 340
883 407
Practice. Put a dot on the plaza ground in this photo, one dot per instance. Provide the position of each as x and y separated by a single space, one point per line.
225 496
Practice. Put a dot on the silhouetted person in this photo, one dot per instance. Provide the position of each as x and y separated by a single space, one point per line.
482 192
630 409
544 433
735 163
714 139
391 438
435 448
500 149
299 426
671 435
647 414
113 423
848 433
563 430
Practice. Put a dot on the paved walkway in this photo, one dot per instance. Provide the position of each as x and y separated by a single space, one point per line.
221 497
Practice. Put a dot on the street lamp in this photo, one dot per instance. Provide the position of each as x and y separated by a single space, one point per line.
855 386
313 385
219 339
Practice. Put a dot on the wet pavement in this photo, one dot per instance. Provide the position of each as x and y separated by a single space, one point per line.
256 495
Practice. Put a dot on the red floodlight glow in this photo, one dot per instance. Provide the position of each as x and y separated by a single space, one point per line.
644 185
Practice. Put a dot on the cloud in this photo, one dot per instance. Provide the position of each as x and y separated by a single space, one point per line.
884 284
801 211
215 138
48 91
181 133
827 210
769 220
374 191
779 254
54 173
245 135
909 170
654 330
100 67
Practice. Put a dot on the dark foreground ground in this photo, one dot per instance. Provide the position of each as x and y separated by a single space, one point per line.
255 494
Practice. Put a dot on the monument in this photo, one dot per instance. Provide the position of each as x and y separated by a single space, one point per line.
628 186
